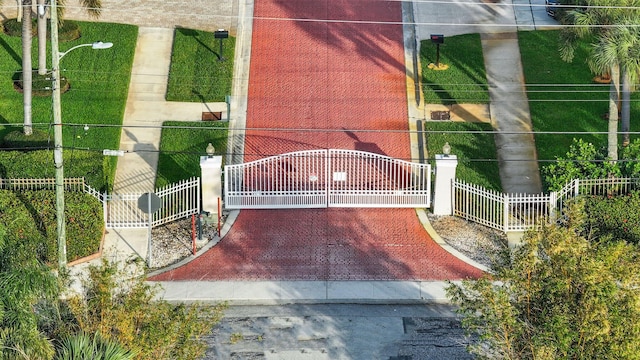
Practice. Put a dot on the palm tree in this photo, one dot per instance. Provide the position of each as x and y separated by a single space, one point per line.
27 68
83 346
607 21
629 54
93 8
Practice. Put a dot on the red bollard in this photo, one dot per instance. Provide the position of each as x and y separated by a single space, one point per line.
193 233
219 216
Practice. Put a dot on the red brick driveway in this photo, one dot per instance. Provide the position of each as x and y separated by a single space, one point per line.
326 84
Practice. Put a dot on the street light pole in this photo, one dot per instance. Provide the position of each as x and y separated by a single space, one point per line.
57 138
56 56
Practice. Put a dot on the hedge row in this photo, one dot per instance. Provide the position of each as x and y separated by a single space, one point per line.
616 216
29 218
39 163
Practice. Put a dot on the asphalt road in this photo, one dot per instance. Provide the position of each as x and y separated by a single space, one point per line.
338 331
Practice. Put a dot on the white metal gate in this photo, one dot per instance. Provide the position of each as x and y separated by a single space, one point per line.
327 178
179 201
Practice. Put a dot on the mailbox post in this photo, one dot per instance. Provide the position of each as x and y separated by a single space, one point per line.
221 34
437 39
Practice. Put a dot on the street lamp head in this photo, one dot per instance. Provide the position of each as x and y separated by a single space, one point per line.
210 150
101 45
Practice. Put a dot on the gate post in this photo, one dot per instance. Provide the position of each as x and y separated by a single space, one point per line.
443 192
211 177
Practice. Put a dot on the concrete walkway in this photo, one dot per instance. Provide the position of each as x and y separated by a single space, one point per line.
510 116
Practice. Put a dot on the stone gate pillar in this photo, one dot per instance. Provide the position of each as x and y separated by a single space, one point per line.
443 195
211 178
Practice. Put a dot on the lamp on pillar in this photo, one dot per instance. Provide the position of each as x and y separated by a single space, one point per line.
445 174
210 150
446 149
211 179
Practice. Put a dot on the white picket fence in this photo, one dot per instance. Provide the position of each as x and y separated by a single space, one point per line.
179 200
518 212
505 212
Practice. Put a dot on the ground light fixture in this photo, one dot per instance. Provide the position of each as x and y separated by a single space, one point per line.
56 56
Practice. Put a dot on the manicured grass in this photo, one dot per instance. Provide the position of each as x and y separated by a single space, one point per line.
29 218
468 141
465 81
563 96
182 144
196 74
99 85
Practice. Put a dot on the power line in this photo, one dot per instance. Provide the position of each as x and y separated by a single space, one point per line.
262 155
315 130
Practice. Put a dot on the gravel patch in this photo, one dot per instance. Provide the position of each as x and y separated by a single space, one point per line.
480 243
173 242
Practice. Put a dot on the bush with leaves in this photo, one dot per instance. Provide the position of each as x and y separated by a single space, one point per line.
25 283
121 307
616 216
561 296
585 161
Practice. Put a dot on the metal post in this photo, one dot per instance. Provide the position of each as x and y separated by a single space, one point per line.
228 101
221 57
57 138
149 231
437 55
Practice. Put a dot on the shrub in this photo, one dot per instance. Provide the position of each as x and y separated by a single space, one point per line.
561 296
14 28
83 346
41 84
122 308
616 216
30 220
70 30
585 161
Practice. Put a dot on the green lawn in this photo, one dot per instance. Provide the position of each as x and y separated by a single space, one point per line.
465 81
99 85
183 143
196 74
29 218
468 141
563 96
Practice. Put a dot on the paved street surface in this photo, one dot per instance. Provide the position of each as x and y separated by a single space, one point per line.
338 331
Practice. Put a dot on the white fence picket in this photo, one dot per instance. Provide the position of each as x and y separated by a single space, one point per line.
518 212
121 210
